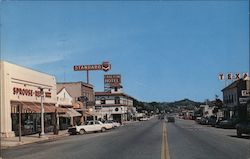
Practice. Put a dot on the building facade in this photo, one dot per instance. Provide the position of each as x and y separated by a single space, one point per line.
71 117
21 93
80 89
233 99
114 105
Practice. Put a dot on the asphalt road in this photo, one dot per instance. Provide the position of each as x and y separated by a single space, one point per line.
152 139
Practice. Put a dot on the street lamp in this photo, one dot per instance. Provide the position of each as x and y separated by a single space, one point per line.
42 112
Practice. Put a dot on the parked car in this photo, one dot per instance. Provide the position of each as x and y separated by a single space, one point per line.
242 128
115 124
144 119
171 119
204 121
90 126
198 120
212 121
228 123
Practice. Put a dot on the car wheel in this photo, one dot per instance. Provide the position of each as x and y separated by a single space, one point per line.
239 134
81 132
103 130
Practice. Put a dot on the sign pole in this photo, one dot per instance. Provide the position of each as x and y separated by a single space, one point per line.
88 76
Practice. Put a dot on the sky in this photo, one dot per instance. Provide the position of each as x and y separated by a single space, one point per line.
164 50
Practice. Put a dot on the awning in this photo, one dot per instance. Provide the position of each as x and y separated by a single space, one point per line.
36 108
70 113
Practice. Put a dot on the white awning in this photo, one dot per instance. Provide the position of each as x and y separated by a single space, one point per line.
70 113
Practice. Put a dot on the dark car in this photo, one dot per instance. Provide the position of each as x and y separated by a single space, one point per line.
204 121
229 123
212 121
171 119
243 128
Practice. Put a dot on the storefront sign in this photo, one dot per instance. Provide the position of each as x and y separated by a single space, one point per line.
29 92
243 100
105 66
245 93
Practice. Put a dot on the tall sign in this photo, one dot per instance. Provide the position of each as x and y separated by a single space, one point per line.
105 66
111 80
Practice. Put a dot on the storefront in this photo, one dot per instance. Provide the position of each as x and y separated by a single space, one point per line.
21 93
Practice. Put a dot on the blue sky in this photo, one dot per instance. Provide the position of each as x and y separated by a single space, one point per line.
164 50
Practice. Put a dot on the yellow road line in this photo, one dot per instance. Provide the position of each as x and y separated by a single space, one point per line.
164 144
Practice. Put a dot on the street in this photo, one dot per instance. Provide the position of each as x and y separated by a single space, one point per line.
153 139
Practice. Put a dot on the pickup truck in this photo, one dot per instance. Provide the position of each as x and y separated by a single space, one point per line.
90 126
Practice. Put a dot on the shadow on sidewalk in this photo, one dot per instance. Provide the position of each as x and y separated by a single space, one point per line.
242 137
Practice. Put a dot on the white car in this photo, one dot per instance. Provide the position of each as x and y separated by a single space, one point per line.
90 126
144 119
115 124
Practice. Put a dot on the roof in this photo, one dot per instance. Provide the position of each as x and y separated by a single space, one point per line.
83 83
232 85
111 105
112 94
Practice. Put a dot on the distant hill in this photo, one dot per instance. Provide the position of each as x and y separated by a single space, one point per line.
184 102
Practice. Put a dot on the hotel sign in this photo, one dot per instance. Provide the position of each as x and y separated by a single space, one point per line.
105 66
112 79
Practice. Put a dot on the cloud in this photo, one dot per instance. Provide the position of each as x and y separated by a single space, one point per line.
140 84
36 59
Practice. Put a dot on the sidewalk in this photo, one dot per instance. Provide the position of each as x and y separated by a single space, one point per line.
14 141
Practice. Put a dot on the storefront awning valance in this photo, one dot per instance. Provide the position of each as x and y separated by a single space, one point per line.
36 108
70 113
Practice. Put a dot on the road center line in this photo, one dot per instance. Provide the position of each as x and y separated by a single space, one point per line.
164 146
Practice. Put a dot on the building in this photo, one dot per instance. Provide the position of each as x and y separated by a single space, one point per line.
114 105
80 89
71 117
21 90
234 101
207 110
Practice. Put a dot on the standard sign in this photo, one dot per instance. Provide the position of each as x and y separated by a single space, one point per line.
245 93
105 66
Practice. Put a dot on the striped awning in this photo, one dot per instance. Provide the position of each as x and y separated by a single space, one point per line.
70 113
29 107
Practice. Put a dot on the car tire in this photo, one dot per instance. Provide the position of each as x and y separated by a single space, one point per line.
81 132
103 129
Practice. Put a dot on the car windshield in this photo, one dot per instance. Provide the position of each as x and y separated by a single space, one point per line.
124 79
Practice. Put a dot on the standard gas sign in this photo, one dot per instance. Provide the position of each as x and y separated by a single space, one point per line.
105 66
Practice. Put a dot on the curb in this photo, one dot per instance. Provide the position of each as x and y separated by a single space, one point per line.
48 139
